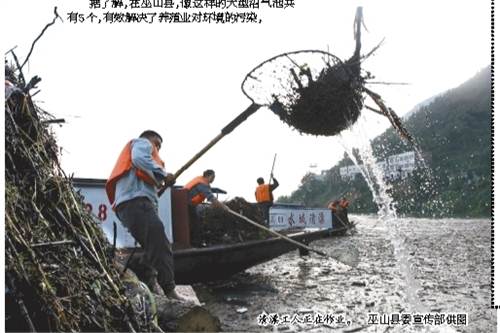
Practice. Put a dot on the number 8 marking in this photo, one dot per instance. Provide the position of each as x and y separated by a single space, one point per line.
102 215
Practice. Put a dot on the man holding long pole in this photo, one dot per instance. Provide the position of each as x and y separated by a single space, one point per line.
264 193
132 191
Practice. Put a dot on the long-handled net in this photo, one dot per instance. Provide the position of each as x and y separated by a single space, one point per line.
312 91
315 92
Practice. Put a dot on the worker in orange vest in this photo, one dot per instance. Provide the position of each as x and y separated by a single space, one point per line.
264 196
333 205
344 203
198 190
132 191
339 212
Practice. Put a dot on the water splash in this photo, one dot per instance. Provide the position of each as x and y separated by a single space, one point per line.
374 177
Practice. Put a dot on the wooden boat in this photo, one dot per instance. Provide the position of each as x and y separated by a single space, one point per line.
219 261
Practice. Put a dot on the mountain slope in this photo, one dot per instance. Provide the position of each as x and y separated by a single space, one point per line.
454 133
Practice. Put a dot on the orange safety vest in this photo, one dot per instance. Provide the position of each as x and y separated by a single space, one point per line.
333 206
123 165
263 193
199 197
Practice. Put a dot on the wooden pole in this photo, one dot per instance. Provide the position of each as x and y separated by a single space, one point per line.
299 244
226 130
272 169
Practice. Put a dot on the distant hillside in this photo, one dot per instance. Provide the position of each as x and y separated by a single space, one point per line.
454 132
419 106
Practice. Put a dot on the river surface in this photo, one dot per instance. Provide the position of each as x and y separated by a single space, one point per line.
449 264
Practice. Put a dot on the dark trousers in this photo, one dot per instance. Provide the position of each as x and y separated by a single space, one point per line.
140 217
340 217
195 226
264 209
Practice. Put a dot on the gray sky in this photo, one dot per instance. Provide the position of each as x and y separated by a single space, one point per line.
111 82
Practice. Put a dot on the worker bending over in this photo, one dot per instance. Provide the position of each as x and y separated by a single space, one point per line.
198 190
132 191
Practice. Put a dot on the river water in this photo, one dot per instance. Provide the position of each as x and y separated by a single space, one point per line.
447 264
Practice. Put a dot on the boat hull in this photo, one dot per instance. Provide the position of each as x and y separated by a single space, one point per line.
219 262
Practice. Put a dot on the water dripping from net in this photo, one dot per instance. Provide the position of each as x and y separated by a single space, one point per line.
374 177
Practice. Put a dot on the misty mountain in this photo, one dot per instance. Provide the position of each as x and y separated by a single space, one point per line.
419 106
